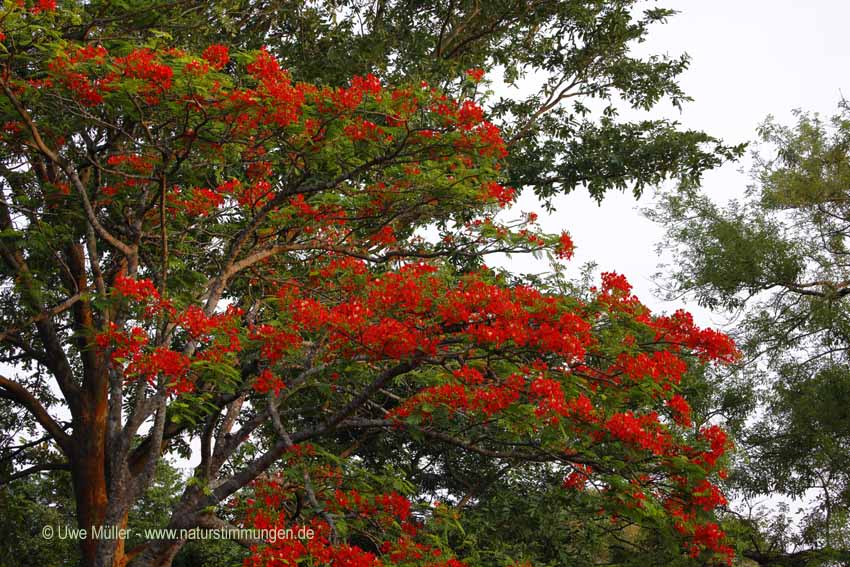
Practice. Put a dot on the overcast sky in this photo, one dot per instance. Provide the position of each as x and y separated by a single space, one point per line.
750 58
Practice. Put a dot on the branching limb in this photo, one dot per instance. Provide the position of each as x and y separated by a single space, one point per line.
308 483
35 469
29 401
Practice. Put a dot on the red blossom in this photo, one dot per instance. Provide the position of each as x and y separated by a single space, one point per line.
43 6
475 74
268 381
502 195
565 247
718 442
360 129
155 76
140 290
577 479
708 496
265 66
217 55
639 431
681 410
368 84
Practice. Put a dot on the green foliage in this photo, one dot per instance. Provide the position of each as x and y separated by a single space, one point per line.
779 258
29 505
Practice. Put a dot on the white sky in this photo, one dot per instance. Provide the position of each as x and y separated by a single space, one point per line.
750 58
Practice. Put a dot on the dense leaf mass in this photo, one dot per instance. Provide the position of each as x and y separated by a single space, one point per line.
778 257
215 251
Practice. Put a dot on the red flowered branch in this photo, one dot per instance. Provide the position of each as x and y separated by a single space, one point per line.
310 281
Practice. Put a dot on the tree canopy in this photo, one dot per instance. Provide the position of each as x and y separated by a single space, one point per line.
254 234
778 259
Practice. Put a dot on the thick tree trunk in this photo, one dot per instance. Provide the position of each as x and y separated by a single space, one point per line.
91 480
89 477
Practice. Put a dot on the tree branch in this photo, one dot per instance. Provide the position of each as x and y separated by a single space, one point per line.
35 469
29 401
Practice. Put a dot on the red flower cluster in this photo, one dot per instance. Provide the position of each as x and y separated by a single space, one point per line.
200 201
124 344
703 536
707 496
487 399
268 381
43 6
360 129
134 163
71 69
143 65
550 396
475 74
469 114
709 536
387 515
502 195
369 84
681 410
171 365
639 431
718 442
274 342
565 248
140 290
663 367
491 314
709 344
217 56
577 479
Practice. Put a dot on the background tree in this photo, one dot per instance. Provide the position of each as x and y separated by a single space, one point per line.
28 505
778 260
200 247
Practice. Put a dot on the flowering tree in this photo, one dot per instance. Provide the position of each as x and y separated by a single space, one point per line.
201 254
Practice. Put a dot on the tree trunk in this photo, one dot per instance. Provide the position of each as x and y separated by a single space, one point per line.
90 479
